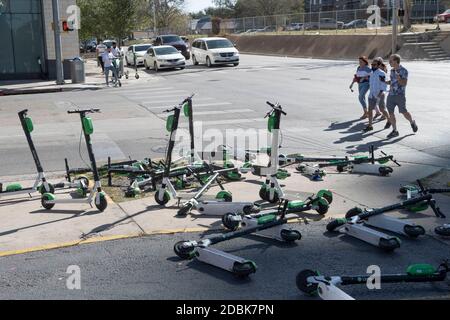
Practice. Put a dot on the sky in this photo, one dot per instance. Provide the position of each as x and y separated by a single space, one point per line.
197 5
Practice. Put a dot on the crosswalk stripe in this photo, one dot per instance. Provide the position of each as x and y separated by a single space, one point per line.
197 105
141 89
225 122
204 113
164 94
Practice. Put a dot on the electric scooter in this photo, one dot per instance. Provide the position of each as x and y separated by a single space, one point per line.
221 205
312 283
363 165
234 220
357 223
271 226
271 191
49 199
40 185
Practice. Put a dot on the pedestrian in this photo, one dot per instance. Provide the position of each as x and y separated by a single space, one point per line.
101 48
107 58
397 95
115 50
376 95
362 78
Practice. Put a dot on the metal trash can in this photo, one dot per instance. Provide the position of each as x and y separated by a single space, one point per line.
77 71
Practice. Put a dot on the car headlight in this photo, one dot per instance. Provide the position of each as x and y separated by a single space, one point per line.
236 54
216 54
161 60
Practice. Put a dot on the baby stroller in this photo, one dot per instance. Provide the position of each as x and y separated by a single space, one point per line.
117 64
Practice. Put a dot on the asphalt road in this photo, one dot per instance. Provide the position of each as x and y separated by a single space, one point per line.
321 119
147 268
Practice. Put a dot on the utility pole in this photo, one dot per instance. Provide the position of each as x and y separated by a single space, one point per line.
58 48
394 25
154 18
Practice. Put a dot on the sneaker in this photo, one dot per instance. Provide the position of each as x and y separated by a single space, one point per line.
368 128
393 134
387 126
376 116
414 127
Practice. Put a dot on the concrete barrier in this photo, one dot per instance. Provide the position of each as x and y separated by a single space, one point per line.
315 46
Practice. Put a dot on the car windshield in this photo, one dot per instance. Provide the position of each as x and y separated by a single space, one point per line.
166 50
447 11
168 39
142 48
217 44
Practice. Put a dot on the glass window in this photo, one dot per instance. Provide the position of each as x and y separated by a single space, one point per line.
6 53
27 36
165 50
25 6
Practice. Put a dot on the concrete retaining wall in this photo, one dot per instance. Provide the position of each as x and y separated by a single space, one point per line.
316 46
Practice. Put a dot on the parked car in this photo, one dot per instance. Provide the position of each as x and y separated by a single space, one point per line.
214 51
251 31
325 23
174 41
267 29
139 50
359 23
295 26
164 57
443 17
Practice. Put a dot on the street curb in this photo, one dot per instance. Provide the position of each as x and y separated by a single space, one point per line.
74 243
14 92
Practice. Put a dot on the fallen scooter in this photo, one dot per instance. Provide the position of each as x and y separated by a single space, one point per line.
272 226
96 194
363 165
357 223
234 220
312 283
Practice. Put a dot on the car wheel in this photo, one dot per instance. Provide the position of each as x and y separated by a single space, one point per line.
194 60
235 64
155 66
208 62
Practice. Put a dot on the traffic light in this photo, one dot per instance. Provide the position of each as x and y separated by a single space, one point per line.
66 26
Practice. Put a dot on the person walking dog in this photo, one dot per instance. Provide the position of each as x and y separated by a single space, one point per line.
397 95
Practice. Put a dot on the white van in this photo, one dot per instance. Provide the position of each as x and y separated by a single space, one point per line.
213 51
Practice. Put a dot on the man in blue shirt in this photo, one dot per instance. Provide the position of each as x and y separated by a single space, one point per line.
398 83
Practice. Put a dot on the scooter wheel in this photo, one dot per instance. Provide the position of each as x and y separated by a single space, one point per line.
340 169
414 231
184 252
83 180
229 223
103 204
327 194
333 225
290 235
302 282
225 195
51 189
263 194
137 76
248 210
45 204
353 212
243 270
322 206
385 171
443 230
166 198
185 209
390 244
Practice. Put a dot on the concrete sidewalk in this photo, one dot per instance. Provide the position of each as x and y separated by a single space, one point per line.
27 227
95 80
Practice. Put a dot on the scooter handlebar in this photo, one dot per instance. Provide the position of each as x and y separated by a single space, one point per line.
23 113
276 106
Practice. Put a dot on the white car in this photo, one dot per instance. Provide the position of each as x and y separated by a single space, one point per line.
213 51
164 57
139 50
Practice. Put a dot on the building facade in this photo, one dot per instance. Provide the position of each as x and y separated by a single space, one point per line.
27 39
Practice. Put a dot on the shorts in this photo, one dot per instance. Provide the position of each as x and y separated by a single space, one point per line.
373 102
394 101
